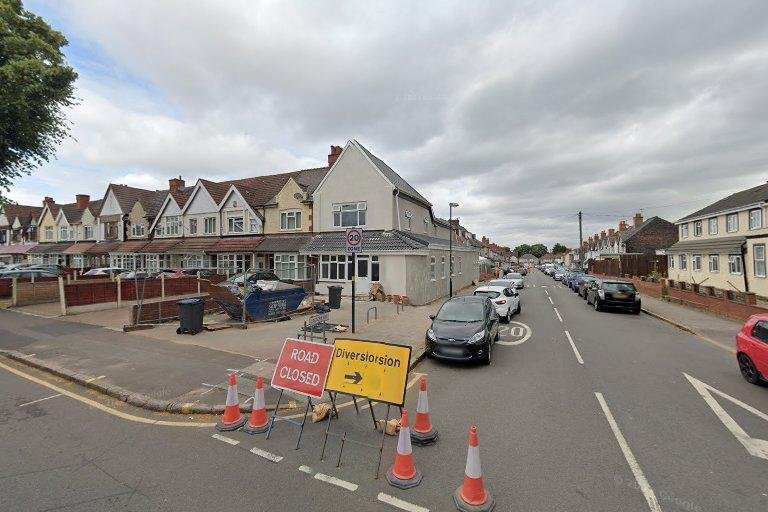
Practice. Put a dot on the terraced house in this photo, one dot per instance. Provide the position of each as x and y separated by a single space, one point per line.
18 231
723 245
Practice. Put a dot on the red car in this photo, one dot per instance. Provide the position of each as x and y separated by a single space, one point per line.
752 349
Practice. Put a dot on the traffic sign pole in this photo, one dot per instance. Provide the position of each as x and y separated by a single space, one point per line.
354 275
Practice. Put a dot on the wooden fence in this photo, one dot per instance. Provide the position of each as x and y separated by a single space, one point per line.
630 265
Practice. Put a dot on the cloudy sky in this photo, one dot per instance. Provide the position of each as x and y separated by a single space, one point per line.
523 112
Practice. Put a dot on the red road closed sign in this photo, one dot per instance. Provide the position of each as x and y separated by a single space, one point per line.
303 367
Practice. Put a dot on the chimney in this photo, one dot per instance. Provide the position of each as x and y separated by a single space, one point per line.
638 219
622 225
82 200
333 155
48 201
611 232
174 184
602 234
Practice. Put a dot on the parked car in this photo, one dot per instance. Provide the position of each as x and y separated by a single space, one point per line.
752 349
517 278
575 280
170 274
505 299
26 274
136 274
253 277
202 272
104 271
464 329
584 284
559 274
613 295
53 269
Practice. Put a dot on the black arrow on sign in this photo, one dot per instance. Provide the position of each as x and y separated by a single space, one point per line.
354 377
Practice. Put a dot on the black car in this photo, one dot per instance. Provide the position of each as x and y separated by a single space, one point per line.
606 294
464 329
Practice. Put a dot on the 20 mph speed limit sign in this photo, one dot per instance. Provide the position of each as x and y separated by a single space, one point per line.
354 240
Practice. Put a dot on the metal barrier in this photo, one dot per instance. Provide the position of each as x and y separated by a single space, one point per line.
368 314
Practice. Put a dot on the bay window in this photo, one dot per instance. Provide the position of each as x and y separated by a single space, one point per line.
291 266
347 215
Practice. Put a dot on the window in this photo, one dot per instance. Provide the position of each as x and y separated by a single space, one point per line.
209 225
375 268
442 267
88 232
684 231
758 257
172 225
671 261
192 226
432 268
235 262
362 267
49 233
696 262
714 263
683 262
734 263
760 331
349 214
408 216
290 220
335 267
697 228
756 218
426 225
460 269
732 222
290 266
712 226
63 233
77 261
452 268
137 230
235 224
255 225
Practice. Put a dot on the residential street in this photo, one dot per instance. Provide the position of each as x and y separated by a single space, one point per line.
546 442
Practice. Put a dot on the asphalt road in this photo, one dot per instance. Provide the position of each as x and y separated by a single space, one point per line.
618 427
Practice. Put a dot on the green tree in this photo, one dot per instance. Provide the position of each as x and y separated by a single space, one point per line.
539 250
559 249
36 86
522 249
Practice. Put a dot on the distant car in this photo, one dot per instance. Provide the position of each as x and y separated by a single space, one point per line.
104 271
613 295
136 274
202 272
53 269
464 329
559 274
575 280
25 273
584 284
505 300
752 349
517 278
170 274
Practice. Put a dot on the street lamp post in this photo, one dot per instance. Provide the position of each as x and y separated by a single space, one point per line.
451 206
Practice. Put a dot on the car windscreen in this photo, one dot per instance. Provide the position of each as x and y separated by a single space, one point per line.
619 287
514 276
500 282
461 311
489 293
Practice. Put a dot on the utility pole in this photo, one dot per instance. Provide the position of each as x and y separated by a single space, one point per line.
581 243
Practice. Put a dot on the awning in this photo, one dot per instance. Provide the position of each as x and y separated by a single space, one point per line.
237 244
726 244
101 248
284 243
132 246
78 247
160 246
16 249
55 248
194 245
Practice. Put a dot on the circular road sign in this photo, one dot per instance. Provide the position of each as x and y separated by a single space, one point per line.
354 239
516 333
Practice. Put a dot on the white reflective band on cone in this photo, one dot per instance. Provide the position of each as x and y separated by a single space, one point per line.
473 469
423 404
231 395
404 442
258 400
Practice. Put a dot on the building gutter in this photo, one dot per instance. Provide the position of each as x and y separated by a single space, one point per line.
397 205
744 265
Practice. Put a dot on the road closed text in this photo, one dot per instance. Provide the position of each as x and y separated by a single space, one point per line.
303 367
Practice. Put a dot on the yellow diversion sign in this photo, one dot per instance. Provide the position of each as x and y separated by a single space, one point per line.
370 369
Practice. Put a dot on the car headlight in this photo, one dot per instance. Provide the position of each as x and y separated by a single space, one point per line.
637 296
431 334
601 294
477 337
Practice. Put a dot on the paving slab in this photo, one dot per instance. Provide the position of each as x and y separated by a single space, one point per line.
704 324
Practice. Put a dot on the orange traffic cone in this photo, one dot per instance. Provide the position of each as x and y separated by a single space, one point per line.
403 473
259 422
423 432
472 496
232 419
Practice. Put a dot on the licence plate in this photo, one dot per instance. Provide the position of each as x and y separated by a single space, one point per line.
620 296
452 351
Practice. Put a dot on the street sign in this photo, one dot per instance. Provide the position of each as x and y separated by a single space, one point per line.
370 369
354 240
302 367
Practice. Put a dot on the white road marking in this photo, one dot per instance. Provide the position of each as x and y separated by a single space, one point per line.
58 394
401 504
226 439
521 329
573 346
265 454
550 300
755 447
336 481
642 482
558 315
305 469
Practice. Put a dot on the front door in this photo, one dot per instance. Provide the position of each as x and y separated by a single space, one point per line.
363 285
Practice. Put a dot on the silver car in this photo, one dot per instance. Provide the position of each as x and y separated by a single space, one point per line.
517 278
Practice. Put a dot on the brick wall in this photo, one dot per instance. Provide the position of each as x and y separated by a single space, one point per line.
164 311
38 292
737 310
6 287
660 234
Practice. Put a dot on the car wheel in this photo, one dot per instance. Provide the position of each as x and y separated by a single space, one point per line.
636 311
519 307
487 356
748 370
496 338
508 318
597 304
